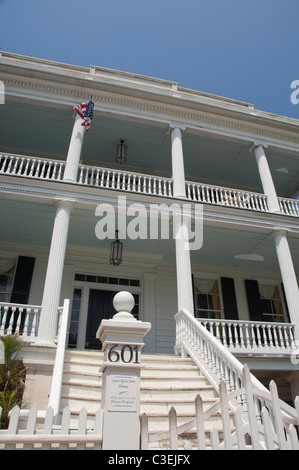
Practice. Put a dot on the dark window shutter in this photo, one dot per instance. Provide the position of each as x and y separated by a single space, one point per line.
229 298
254 300
22 281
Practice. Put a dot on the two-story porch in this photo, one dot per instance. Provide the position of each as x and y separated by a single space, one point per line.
183 147
236 278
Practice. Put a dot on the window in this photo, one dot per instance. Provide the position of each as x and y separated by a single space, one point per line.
7 271
135 311
73 331
107 280
272 307
207 300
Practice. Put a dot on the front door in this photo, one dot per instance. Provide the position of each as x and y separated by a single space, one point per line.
100 306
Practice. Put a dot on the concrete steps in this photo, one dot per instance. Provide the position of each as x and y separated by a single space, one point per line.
166 381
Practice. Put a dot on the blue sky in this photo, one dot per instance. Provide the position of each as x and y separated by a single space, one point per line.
242 49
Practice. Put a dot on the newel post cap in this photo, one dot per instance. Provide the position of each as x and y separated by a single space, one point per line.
123 303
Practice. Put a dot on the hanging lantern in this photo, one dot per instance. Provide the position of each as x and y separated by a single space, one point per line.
121 152
116 251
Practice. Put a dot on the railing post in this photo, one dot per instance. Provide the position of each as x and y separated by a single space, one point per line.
122 339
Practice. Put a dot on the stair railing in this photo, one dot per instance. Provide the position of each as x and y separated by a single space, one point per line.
214 360
56 384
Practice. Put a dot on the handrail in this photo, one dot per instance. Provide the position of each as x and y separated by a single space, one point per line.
214 360
55 391
56 385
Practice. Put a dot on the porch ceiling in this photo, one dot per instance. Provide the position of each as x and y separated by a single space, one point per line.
32 129
28 223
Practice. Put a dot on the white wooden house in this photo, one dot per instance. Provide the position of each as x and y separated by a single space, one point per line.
236 168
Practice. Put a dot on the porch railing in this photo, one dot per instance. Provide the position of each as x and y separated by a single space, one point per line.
253 337
211 194
125 181
105 178
289 206
23 320
19 319
31 167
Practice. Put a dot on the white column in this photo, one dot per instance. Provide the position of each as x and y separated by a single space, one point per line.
178 172
149 309
288 277
183 265
265 175
52 287
183 262
74 151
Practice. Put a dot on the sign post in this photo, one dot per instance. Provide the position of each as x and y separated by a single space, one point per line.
122 340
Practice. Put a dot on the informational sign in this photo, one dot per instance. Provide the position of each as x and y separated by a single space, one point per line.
123 391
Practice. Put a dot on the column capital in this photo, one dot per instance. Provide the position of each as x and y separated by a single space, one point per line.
67 203
279 231
258 143
176 125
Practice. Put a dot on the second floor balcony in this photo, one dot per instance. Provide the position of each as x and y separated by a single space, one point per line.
139 183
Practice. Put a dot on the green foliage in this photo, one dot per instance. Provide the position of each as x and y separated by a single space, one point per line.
12 377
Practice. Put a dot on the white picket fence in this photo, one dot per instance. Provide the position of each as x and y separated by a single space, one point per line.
77 433
252 419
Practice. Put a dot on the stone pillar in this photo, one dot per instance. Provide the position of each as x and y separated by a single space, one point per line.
289 278
265 175
122 340
50 303
74 151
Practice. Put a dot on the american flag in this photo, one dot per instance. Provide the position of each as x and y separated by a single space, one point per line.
85 111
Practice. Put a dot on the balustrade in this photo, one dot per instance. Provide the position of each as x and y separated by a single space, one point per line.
247 336
30 167
289 206
105 178
124 181
19 319
209 194
23 320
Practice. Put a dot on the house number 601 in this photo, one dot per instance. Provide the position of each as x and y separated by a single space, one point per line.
126 354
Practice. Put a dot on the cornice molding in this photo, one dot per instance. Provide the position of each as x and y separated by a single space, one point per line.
170 111
232 218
